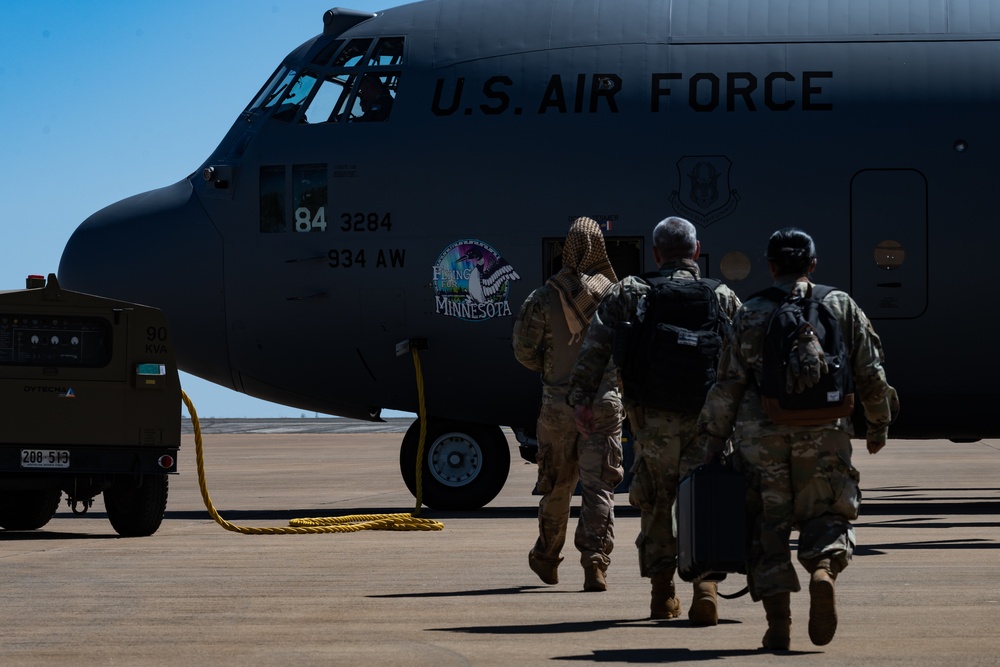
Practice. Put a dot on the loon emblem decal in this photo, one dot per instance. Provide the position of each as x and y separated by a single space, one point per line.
472 282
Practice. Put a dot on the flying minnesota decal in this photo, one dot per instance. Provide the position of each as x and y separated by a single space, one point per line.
472 282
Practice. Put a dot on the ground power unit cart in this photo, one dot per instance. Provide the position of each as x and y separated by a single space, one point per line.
90 402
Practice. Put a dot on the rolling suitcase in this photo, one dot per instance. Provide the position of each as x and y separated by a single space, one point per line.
710 524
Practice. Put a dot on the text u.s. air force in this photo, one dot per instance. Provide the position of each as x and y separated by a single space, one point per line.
702 92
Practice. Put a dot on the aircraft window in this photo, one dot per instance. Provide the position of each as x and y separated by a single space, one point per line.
274 90
371 103
388 51
326 53
375 97
272 199
329 104
889 255
353 53
735 266
325 101
309 197
296 94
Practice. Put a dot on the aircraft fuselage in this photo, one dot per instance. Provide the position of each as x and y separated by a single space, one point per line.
309 244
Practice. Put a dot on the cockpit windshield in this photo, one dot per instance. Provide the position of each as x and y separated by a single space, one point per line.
274 89
345 82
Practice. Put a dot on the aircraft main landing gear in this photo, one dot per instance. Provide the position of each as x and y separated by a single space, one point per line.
464 465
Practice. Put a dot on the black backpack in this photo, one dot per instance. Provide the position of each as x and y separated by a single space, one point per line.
784 397
669 359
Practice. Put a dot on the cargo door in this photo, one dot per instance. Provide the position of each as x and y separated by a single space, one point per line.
889 246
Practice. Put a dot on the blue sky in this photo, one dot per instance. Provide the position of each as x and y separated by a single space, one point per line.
103 100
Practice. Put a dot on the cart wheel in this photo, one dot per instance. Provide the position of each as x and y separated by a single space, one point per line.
135 508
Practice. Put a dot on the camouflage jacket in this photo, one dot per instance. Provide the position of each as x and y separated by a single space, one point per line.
621 305
542 342
734 401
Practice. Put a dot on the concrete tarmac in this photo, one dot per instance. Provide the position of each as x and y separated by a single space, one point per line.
922 589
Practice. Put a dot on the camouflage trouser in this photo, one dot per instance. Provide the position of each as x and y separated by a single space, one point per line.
565 457
666 449
806 481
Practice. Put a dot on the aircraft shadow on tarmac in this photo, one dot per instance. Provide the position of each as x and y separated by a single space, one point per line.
935 509
925 512
937 501
976 507
288 514
37 535
919 509
943 501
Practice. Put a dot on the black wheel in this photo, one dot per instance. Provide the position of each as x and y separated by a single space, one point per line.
135 508
28 510
464 466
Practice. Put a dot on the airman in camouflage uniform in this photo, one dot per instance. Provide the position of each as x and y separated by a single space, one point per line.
666 444
547 336
797 476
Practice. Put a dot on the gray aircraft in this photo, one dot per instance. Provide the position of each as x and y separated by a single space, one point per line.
407 176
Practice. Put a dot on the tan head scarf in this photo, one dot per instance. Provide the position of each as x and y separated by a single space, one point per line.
586 275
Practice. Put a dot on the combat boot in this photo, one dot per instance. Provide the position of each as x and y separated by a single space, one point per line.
594 578
778 608
705 605
664 602
822 604
547 571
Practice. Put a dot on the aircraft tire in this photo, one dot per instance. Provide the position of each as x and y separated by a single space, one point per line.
137 510
465 465
28 510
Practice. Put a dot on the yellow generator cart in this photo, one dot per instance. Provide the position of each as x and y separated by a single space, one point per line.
91 404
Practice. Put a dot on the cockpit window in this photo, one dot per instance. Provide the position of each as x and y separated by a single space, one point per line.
346 82
274 89
330 100
295 96
353 53
388 52
375 97
333 102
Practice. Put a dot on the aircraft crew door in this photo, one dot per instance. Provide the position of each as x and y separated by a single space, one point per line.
889 243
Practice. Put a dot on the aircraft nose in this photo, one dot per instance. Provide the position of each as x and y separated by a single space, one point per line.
159 249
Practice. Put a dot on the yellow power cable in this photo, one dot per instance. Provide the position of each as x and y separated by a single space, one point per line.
343 524
423 429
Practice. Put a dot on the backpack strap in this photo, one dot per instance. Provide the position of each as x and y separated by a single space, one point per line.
655 277
819 292
771 294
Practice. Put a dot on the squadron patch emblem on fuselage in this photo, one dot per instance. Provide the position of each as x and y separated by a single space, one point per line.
472 282
703 195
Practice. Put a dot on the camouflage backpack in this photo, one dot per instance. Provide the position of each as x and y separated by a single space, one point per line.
807 378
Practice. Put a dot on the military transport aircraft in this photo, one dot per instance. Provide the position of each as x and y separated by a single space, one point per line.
406 177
